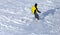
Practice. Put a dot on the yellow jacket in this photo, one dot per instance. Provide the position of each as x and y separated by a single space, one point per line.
33 9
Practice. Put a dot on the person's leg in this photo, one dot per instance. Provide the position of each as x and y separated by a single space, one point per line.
36 16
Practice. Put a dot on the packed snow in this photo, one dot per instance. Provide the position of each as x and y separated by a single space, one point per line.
16 17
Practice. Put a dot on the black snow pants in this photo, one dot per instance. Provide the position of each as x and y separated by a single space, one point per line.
36 16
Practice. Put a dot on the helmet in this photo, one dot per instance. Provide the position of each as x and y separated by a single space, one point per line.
35 4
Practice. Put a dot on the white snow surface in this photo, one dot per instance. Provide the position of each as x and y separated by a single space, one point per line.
16 17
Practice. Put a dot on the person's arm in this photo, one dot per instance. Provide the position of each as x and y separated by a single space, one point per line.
34 11
38 10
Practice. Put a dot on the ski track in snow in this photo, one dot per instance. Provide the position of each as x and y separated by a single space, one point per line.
16 17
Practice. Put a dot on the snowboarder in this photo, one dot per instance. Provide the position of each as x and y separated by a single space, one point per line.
35 10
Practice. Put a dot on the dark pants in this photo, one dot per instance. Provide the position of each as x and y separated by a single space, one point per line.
36 16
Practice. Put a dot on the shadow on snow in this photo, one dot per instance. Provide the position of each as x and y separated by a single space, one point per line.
51 11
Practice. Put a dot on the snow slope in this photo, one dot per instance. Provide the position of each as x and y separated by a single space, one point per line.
16 17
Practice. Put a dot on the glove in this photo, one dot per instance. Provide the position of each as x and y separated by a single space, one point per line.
39 11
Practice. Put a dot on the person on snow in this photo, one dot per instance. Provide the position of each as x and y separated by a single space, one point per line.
35 10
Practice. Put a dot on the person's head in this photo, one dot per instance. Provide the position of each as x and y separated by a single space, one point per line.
35 4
